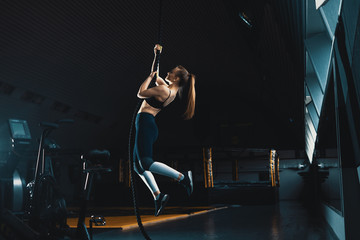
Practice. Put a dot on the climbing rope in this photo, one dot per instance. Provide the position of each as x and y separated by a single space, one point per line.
131 158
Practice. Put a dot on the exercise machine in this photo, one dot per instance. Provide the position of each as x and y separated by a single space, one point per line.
46 214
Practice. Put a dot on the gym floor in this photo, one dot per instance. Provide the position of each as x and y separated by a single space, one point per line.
285 220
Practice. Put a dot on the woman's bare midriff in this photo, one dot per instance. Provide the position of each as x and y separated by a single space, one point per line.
145 107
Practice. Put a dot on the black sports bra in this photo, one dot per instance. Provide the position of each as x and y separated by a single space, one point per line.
152 101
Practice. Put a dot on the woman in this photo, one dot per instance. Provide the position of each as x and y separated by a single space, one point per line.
155 99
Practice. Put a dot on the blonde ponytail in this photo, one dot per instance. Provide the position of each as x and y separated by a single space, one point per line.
190 108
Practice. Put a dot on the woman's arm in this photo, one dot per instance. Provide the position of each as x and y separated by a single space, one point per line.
157 49
144 86
145 92
160 81
153 63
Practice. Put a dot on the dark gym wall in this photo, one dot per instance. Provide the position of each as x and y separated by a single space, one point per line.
85 60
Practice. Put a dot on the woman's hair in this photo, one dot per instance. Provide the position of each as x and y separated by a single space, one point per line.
187 81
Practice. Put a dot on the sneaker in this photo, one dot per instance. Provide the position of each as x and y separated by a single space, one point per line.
160 203
187 182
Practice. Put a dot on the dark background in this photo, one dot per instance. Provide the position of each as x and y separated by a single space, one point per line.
86 59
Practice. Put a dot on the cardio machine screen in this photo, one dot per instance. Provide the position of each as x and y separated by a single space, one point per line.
19 129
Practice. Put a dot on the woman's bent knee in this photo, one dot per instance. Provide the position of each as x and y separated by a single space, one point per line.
146 162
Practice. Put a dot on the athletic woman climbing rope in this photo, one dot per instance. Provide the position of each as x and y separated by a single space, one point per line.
155 99
146 130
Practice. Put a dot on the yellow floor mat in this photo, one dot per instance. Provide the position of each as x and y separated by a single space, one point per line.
128 222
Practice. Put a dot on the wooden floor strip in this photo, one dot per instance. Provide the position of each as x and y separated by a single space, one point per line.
129 222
